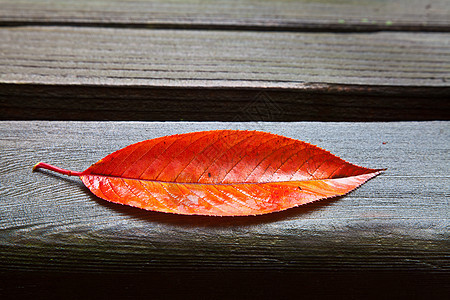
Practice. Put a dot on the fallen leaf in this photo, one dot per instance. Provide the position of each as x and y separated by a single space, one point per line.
220 173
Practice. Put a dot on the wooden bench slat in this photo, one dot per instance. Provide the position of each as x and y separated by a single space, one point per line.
66 55
129 74
396 222
159 57
248 14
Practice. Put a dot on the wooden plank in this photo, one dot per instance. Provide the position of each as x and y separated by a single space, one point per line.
397 221
123 57
389 236
332 15
61 72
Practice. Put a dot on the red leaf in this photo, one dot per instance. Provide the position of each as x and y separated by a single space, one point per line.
220 173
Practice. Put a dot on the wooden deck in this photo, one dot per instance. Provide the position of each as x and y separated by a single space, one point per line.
327 15
366 80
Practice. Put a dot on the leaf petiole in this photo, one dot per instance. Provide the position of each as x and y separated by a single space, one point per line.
42 165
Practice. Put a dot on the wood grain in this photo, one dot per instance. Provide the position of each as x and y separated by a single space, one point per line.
124 57
389 237
329 15
398 221
330 60
128 74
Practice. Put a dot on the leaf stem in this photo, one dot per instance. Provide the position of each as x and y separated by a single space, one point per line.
42 165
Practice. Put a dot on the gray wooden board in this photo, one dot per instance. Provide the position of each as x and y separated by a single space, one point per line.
195 58
249 14
398 221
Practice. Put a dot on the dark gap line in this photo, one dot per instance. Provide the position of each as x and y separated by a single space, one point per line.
312 27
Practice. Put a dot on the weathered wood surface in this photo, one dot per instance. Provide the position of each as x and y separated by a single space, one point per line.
398 221
389 237
130 60
128 74
105 56
249 14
